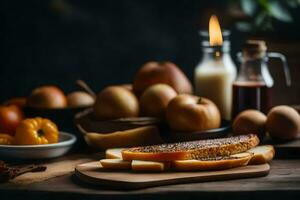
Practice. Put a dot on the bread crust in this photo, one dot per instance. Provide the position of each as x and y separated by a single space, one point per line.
262 154
192 150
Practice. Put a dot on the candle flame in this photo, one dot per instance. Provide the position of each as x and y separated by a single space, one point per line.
215 33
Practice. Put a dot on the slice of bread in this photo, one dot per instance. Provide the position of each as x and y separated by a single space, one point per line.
136 165
217 163
139 165
115 164
261 154
192 150
114 153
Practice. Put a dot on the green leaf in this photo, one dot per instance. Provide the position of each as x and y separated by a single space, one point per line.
260 18
263 21
263 3
249 7
279 12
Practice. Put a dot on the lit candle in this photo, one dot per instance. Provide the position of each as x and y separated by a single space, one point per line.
215 33
216 72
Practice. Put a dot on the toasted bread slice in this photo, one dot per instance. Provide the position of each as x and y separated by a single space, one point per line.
261 154
217 163
139 165
114 153
192 150
115 164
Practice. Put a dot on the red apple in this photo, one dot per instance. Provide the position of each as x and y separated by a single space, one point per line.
47 97
161 72
116 102
191 113
155 99
10 118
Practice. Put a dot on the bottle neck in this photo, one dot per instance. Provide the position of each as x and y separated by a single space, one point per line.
224 48
254 70
251 69
216 53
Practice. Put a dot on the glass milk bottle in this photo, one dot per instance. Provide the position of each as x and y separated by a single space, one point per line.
215 74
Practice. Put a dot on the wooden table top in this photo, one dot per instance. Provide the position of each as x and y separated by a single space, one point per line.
283 182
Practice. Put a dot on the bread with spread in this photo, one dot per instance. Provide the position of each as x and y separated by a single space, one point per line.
216 154
192 150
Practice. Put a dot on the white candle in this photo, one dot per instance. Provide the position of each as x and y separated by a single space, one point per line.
216 72
213 80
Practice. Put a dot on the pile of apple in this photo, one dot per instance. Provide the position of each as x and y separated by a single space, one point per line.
52 97
161 90
44 97
281 123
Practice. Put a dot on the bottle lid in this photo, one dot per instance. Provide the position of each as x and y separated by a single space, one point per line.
254 48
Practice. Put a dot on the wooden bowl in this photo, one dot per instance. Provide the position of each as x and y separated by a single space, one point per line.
86 122
89 123
117 133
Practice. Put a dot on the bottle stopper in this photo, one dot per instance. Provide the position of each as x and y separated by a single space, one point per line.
254 49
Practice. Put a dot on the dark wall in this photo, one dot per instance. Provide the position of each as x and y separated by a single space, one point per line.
101 42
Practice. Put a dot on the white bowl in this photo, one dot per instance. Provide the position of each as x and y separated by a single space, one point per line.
66 140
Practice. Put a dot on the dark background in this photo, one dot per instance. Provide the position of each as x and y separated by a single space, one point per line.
105 42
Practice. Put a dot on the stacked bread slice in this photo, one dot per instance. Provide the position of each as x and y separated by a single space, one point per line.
212 154
114 160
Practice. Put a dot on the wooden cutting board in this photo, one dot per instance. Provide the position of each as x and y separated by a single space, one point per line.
93 173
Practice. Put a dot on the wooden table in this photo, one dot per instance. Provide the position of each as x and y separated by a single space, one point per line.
283 183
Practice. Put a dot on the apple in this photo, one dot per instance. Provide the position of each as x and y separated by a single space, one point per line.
283 123
80 99
116 102
250 121
187 113
10 118
47 97
155 99
161 72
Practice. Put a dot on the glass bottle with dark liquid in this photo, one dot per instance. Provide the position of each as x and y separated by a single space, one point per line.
252 88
